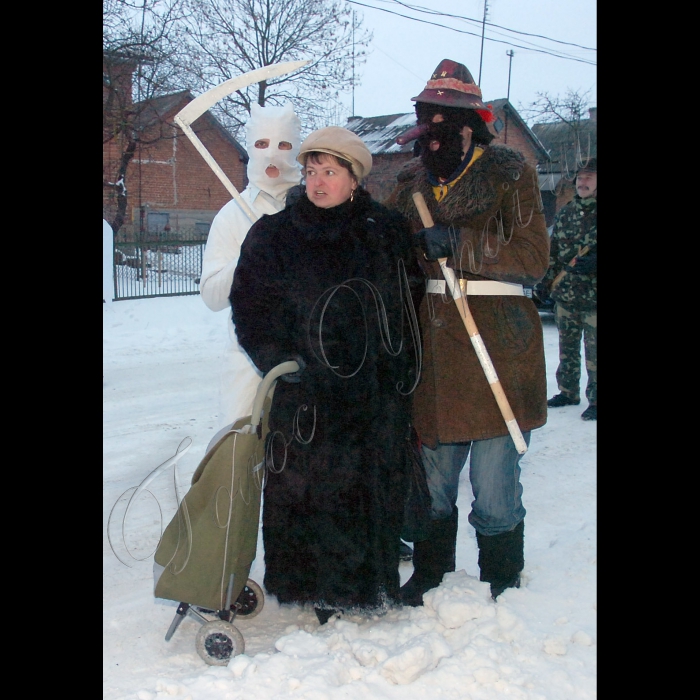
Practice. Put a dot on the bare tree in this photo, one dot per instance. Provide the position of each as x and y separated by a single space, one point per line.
138 46
570 109
152 48
563 125
226 38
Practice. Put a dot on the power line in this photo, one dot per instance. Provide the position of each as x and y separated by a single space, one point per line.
482 24
462 31
427 10
400 65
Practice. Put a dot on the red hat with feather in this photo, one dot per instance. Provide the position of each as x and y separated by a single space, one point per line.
450 85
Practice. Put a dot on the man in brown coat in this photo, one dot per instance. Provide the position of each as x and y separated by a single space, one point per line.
489 223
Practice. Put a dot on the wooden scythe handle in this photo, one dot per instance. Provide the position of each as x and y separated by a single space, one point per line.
572 262
423 210
474 335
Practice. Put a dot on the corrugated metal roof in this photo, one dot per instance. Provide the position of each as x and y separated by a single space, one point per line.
380 133
155 109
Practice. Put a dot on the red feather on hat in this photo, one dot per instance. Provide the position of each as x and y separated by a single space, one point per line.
486 114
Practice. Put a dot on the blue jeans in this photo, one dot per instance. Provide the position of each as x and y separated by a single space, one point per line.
494 473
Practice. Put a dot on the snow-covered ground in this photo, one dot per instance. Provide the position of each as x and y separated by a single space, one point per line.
161 364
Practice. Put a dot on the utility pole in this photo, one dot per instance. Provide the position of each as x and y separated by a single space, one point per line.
510 55
483 29
353 64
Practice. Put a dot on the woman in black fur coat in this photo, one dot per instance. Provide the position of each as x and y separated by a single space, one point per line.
329 282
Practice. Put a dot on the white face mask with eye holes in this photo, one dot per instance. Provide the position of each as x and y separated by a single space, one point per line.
272 164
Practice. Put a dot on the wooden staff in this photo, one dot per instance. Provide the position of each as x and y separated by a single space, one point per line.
474 335
572 262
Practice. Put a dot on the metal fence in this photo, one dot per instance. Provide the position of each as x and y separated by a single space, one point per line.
157 269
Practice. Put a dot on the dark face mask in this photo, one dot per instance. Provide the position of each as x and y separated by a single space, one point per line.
446 159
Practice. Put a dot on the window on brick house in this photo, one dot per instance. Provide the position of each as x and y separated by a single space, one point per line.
157 222
202 229
498 125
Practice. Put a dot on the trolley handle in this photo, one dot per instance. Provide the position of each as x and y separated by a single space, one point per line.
265 386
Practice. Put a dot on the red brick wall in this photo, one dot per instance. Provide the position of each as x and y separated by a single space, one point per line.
111 153
517 138
117 82
171 175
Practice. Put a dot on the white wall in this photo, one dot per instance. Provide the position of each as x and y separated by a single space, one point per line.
107 263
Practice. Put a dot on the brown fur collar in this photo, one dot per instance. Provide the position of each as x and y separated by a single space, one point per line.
476 192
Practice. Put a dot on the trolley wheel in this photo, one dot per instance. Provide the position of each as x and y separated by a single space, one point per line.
217 642
251 600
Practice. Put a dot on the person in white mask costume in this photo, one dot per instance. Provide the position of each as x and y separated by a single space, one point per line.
273 137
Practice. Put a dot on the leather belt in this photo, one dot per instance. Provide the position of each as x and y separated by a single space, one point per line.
478 287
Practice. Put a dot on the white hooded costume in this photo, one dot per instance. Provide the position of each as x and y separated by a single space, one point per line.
265 195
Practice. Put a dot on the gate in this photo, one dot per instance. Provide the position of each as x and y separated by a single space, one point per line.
157 269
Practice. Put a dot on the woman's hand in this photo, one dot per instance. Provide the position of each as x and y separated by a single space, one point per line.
294 377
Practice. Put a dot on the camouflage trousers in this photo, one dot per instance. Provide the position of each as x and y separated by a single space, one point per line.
572 325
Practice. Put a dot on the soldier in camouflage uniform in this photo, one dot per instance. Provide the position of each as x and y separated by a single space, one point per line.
575 293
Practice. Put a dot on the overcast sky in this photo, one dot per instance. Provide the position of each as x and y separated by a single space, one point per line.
404 52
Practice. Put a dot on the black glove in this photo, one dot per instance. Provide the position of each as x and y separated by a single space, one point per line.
294 377
586 265
435 241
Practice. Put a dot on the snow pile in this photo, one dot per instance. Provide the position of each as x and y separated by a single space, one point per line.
538 642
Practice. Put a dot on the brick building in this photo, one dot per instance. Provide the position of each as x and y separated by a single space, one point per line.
169 186
511 130
380 134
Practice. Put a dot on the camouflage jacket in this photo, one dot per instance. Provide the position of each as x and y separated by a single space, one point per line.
575 226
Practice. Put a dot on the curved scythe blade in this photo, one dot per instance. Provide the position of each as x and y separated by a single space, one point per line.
209 98
201 104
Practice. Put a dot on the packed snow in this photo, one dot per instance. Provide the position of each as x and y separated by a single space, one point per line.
160 382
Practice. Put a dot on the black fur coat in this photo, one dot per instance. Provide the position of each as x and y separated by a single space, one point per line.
317 285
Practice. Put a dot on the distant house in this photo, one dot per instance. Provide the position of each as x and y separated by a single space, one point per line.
170 189
568 146
511 130
380 134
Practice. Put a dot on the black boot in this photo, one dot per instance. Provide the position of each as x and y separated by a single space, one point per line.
562 400
325 614
501 559
591 413
432 558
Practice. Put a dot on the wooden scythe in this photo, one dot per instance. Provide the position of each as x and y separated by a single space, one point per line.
474 335
203 102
